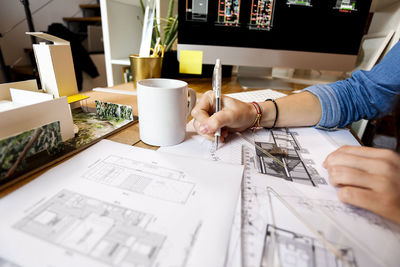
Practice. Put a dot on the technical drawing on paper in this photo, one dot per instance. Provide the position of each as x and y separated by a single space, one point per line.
197 10
7 263
299 3
346 5
143 178
284 146
105 232
262 14
332 207
228 13
293 249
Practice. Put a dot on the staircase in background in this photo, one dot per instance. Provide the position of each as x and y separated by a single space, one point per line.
88 27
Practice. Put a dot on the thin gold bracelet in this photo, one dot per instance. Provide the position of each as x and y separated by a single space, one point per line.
256 122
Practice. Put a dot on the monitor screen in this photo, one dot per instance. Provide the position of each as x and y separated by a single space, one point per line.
274 33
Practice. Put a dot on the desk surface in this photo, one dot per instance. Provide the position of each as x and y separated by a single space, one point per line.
130 135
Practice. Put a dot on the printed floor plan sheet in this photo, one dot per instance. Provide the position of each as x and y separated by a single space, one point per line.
116 205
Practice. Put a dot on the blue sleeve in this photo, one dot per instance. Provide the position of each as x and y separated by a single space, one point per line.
366 95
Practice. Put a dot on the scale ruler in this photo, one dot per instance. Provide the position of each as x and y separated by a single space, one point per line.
254 217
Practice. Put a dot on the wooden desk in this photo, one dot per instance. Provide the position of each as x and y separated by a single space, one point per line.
130 135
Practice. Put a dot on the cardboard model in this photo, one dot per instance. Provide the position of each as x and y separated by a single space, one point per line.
23 107
55 65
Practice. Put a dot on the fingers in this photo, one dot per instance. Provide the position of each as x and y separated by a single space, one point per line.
362 198
204 107
346 176
201 112
363 159
200 128
370 152
351 161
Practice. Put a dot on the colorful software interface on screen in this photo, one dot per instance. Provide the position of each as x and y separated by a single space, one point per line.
333 26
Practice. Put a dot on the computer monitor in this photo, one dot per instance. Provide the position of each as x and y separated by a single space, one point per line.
301 34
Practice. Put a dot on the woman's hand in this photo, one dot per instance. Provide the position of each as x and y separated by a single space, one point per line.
234 116
368 178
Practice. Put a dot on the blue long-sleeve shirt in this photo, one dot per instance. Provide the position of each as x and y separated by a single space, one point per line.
365 95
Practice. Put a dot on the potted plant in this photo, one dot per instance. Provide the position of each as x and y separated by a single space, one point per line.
169 26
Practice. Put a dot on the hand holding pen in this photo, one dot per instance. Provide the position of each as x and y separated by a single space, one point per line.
217 76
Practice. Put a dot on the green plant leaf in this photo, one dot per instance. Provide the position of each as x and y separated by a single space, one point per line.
172 32
170 8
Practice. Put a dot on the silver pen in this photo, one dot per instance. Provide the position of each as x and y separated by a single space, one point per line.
217 76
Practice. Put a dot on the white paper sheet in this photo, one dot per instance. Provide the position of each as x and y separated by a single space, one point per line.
29 97
116 205
257 95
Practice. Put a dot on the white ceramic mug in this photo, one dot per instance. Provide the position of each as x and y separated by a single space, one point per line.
163 110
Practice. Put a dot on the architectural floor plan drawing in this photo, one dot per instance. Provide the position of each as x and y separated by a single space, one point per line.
105 232
286 248
262 14
143 178
228 13
284 145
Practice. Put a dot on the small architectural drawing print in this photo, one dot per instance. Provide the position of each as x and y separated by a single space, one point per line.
105 232
143 178
346 5
262 14
306 3
285 248
287 149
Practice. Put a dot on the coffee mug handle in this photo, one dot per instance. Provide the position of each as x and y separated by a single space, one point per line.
192 102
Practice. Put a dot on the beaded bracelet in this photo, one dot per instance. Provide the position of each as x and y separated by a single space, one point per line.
276 114
256 122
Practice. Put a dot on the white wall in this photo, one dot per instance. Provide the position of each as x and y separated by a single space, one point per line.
380 4
44 12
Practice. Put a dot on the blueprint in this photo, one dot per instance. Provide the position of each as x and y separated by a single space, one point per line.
116 205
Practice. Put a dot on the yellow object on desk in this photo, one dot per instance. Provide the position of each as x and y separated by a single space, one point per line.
76 98
190 62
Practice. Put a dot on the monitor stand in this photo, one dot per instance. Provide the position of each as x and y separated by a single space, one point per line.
283 79
260 78
308 77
